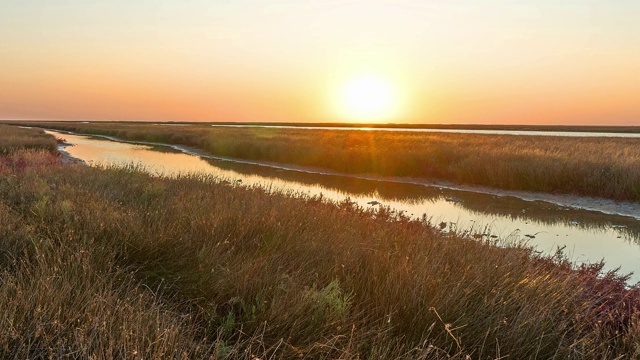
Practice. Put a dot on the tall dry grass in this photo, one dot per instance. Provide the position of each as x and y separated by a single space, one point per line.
113 263
603 167
15 138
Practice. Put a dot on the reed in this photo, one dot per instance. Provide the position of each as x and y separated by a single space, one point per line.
601 167
16 138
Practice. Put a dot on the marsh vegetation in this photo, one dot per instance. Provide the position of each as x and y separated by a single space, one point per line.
106 262
16 138
590 166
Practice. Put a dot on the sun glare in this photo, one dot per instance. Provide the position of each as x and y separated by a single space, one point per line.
367 98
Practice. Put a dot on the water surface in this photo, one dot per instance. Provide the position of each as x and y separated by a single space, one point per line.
587 236
457 131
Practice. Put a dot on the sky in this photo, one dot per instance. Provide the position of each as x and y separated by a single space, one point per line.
403 61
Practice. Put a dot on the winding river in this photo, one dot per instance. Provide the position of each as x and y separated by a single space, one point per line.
588 229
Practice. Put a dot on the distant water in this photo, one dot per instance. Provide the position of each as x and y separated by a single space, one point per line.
457 131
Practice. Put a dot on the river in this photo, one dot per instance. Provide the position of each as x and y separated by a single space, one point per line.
588 229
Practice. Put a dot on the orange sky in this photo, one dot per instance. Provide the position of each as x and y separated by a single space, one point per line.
496 62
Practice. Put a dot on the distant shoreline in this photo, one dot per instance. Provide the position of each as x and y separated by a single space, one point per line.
550 128
558 128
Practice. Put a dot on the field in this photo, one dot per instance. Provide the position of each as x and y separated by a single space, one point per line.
113 263
15 138
601 167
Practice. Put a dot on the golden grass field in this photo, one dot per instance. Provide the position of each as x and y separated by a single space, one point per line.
114 263
15 138
601 167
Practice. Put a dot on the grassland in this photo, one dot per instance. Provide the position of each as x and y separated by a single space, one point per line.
15 138
602 167
113 263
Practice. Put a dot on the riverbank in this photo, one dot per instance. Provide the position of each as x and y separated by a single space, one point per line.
16 138
598 167
116 263
607 206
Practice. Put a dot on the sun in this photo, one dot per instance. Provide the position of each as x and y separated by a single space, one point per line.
367 98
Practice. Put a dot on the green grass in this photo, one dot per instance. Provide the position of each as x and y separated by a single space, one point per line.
602 167
112 262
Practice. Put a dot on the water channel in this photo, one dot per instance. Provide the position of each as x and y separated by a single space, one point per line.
433 130
611 233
